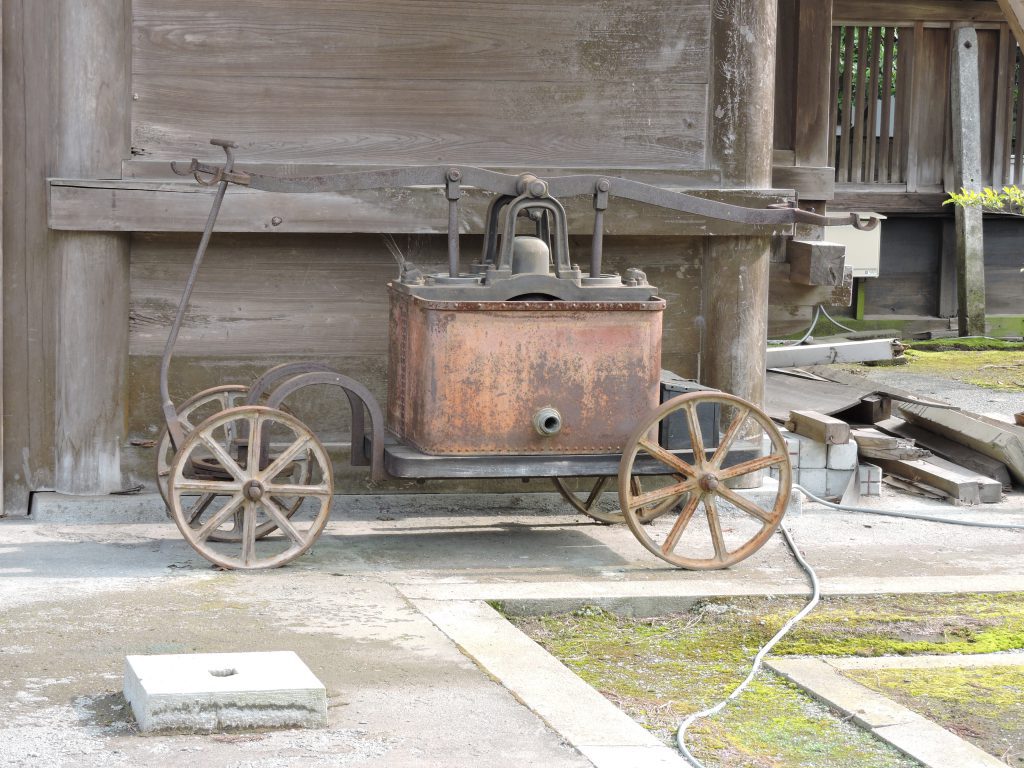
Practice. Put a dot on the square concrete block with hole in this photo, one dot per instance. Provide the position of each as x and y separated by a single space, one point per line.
215 691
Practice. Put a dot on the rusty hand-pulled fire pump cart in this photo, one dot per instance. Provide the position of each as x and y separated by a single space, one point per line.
524 366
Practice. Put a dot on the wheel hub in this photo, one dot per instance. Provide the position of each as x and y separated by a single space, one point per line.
253 490
709 482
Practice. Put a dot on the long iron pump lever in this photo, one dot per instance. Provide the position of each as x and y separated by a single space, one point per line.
512 184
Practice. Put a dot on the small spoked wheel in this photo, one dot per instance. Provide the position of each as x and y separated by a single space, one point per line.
197 408
601 508
251 484
706 477
193 411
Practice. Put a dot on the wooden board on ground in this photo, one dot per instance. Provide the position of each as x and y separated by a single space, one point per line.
947 477
786 392
999 442
797 355
872 444
918 489
950 450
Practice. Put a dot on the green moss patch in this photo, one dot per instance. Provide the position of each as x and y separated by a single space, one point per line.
659 670
966 345
1001 369
984 705
908 624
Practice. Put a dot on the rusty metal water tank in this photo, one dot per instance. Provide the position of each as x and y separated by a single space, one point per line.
513 358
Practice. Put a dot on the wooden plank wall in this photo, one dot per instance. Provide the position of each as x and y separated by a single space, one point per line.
30 271
2 90
917 268
910 268
571 84
1004 283
564 84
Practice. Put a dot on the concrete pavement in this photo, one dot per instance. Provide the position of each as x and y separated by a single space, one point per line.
370 610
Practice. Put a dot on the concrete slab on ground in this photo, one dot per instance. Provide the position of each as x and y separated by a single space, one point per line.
199 692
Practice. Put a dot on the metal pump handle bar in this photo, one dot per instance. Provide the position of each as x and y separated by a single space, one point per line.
511 184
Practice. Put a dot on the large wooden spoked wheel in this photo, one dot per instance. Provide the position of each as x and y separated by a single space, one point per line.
252 490
196 409
734 525
594 505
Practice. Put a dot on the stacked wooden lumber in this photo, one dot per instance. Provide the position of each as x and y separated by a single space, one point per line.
824 457
935 450
929 448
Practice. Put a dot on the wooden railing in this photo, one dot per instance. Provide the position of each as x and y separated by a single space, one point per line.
869 87
1008 167
890 106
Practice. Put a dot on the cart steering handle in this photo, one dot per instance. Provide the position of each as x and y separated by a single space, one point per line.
219 176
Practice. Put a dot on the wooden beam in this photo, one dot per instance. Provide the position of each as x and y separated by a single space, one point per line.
1013 10
92 303
888 200
947 270
182 206
813 85
819 427
962 485
2 410
816 262
913 103
999 442
966 110
30 273
785 293
810 182
800 355
949 450
873 444
909 11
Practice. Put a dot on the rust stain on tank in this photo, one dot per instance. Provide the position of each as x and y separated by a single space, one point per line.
469 377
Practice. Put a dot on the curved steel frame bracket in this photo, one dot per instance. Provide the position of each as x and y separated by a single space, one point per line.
268 381
359 398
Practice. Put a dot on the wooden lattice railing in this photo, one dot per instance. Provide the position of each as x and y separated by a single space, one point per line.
891 114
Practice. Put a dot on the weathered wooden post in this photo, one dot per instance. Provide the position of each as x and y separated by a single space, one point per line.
92 96
735 275
1014 12
970 246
